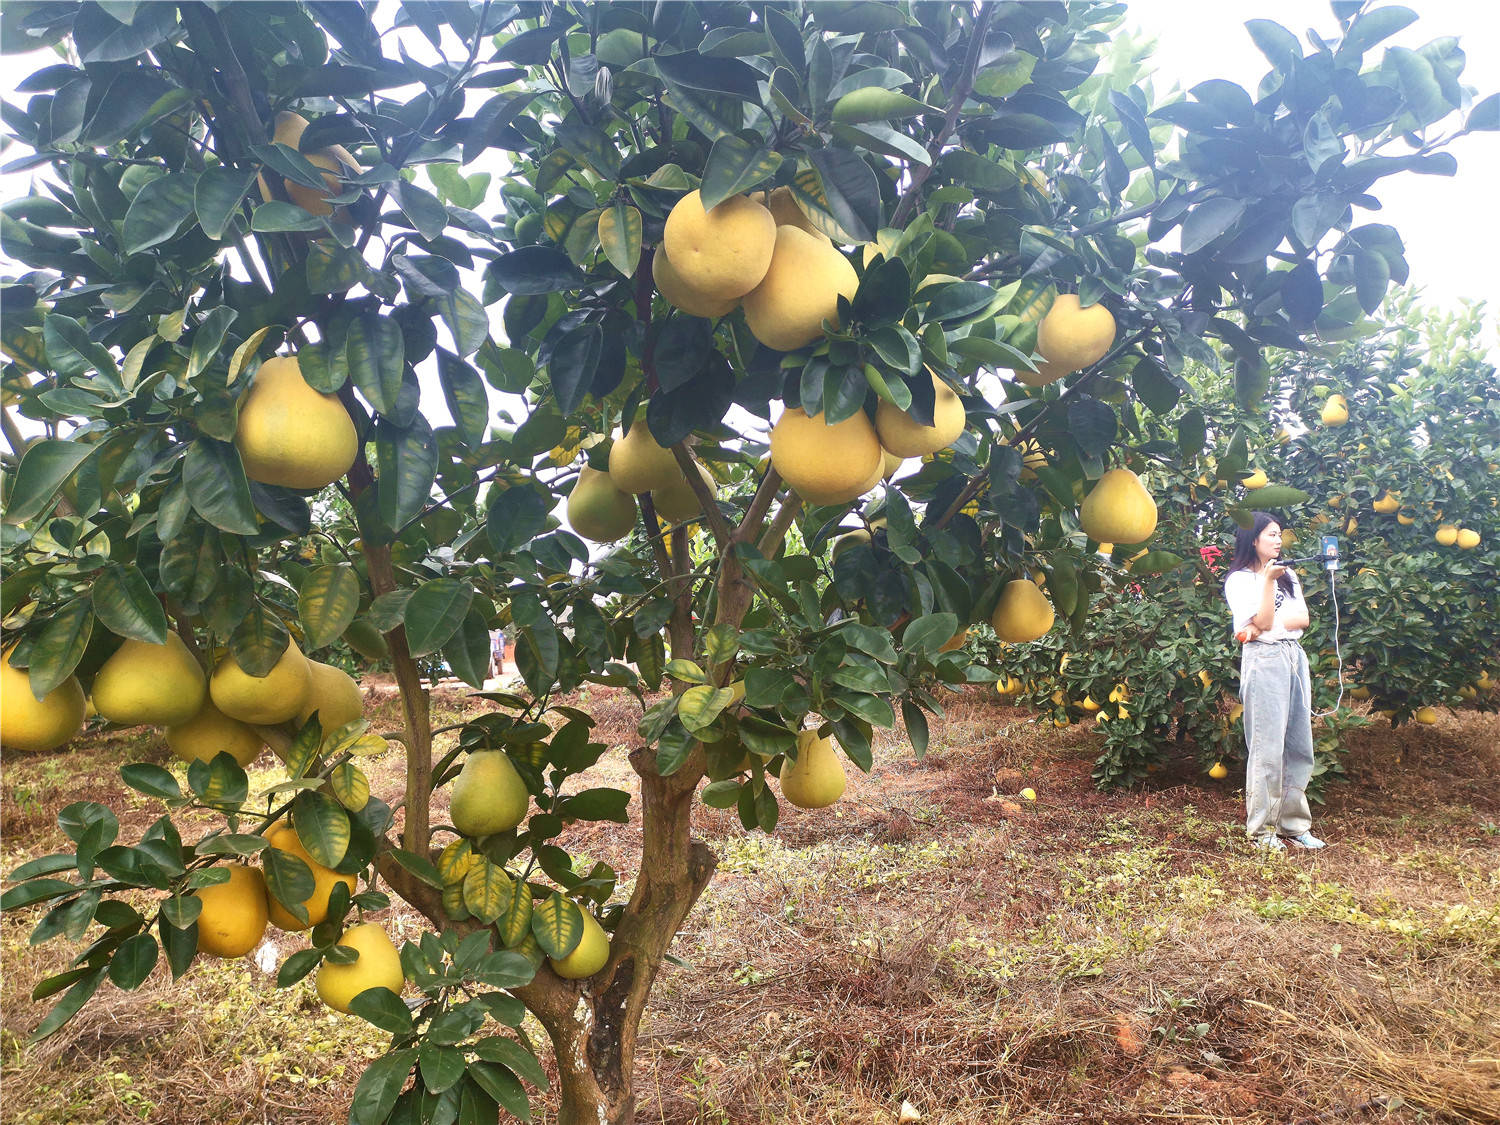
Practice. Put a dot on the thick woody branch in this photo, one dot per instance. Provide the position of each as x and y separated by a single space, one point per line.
771 541
760 505
711 514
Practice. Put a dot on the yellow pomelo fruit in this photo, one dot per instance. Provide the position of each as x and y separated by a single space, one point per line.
1359 693
234 914
284 838
847 540
1218 772
1335 411
875 478
681 295
1257 479
677 501
599 511
1072 337
1467 539
145 683
1387 503
333 694
783 207
1118 509
1008 685
903 436
800 290
1235 712
291 435
1426 716
955 642
638 464
1484 683
1023 612
1088 704
1446 535
892 463
825 464
210 733
816 779
288 131
261 700
379 966
31 725
1405 519
724 253
1045 374
1027 794
488 795
588 956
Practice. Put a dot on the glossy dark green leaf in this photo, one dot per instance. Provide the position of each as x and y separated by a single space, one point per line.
916 726
849 192
159 211
327 603
425 210
571 367
716 76
60 645
466 320
735 165
297 966
258 641
434 612
217 196
126 605
217 488
467 652
1208 221
463 391
534 269
332 268
380 1086
133 961
384 1009
516 516
45 467
406 460
1154 386
69 1006
1092 424
376 354
277 216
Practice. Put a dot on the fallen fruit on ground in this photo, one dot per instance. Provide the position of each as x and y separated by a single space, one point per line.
291 435
29 724
1427 716
378 966
816 779
146 683
1028 794
234 914
1218 771
488 795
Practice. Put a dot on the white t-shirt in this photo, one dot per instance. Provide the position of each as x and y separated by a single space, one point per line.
1242 589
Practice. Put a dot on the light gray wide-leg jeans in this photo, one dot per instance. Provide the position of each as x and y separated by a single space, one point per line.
1275 687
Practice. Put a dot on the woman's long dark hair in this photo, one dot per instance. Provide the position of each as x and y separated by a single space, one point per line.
1245 557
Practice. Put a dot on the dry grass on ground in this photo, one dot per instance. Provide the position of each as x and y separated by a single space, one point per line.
1099 957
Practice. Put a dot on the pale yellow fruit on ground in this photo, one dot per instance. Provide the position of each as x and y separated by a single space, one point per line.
262 700
1466 539
488 795
1446 535
145 683
825 464
1028 794
816 779
379 966
1257 479
291 435
1072 337
588 956
1205 679
1118 509
800 290
1359 693
681 295
31 725
903 436
1118 694
599 511
210 733
1218 772
723 253
1335 411
1484 683
288 131
1427 716
1387 503
1023 612
333 694
284 838
638 464
677 502
784 209
234 914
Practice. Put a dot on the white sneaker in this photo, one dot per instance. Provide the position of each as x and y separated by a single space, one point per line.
1307 840
1269 843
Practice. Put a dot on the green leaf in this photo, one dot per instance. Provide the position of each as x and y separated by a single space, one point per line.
557 925
573 363
620 236
503 1087
441 1067
699 706
323 827
468 650
488 890
154 781
1208 221
514 1057
158 212
217 488
379 1087
735 165
327 604
348 783
691 70
220 782
384 1009
377 356
297 966
407 461
73 352
1280 496
69 1006
846 189
332 268
916 726
133 961
1156 562
208 339
928 634
125 604
516 516
434 612
258 641
45 467
217 196
533 270
425 210
463 391
60 645
514 923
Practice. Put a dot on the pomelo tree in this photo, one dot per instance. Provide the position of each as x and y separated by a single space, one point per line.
495 239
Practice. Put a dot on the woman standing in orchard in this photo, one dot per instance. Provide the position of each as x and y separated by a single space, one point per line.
1270 615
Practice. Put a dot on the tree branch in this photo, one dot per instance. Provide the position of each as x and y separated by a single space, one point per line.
760 504
770 543
706 499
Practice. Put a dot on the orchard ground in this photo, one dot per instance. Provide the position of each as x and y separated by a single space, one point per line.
931 938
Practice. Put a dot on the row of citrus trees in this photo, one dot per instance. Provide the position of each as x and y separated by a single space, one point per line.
1408 483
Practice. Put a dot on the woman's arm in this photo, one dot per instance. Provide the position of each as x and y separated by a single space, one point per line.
1294 613
1265 616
